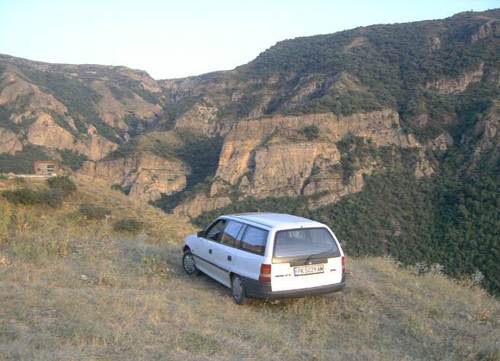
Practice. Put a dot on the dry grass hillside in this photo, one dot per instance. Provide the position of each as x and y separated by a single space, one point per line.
72 288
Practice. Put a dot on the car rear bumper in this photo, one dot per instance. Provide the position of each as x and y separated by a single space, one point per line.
259 289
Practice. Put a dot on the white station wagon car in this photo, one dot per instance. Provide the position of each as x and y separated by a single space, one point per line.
267 255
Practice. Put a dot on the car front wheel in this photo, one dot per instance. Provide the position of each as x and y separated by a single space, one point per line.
238 290
188 263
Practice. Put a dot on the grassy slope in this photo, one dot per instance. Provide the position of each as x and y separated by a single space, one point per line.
136 303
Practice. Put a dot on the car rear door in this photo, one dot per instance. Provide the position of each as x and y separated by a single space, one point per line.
308 264
251 253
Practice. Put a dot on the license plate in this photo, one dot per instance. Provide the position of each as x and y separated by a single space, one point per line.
308 269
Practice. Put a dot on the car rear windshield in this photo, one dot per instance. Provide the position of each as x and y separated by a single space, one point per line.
305 242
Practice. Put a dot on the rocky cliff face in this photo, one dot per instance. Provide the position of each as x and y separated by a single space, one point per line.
45 132
275 144
9 142
487 131
143 176
457 84
272 156
116 110
491 28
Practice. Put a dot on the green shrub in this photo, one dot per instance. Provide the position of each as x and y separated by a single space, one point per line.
62 184
72 159
28 196
128 225
91 211
134 123
60 187
116 187
311 132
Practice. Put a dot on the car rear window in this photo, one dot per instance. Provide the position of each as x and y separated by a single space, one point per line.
304 242
254 240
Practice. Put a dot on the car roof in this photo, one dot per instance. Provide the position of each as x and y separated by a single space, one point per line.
275 220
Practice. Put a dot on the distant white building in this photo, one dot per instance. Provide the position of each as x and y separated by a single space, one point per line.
46 167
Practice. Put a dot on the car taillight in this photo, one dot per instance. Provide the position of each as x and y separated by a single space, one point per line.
344 262
265 273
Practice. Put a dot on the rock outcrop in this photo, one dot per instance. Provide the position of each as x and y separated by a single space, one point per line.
255 144
489 29
270 156
24 97
458 84
115 111
9 142
47 133
199 203
329 186
199 118
144 176
487 130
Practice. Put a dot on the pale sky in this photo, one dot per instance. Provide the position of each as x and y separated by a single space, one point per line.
172 38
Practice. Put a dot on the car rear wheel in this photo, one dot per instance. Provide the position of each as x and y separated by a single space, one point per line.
188 263
238 290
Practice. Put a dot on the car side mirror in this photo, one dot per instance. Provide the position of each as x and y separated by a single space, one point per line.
202 234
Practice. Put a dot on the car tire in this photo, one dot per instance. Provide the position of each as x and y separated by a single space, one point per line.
188 263
238 290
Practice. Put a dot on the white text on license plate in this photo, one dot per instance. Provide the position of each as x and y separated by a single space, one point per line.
308 269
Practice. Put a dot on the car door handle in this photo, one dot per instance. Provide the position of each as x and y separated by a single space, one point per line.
210 251
229 258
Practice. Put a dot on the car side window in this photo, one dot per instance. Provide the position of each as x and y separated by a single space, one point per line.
254 240
215 231
230 235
